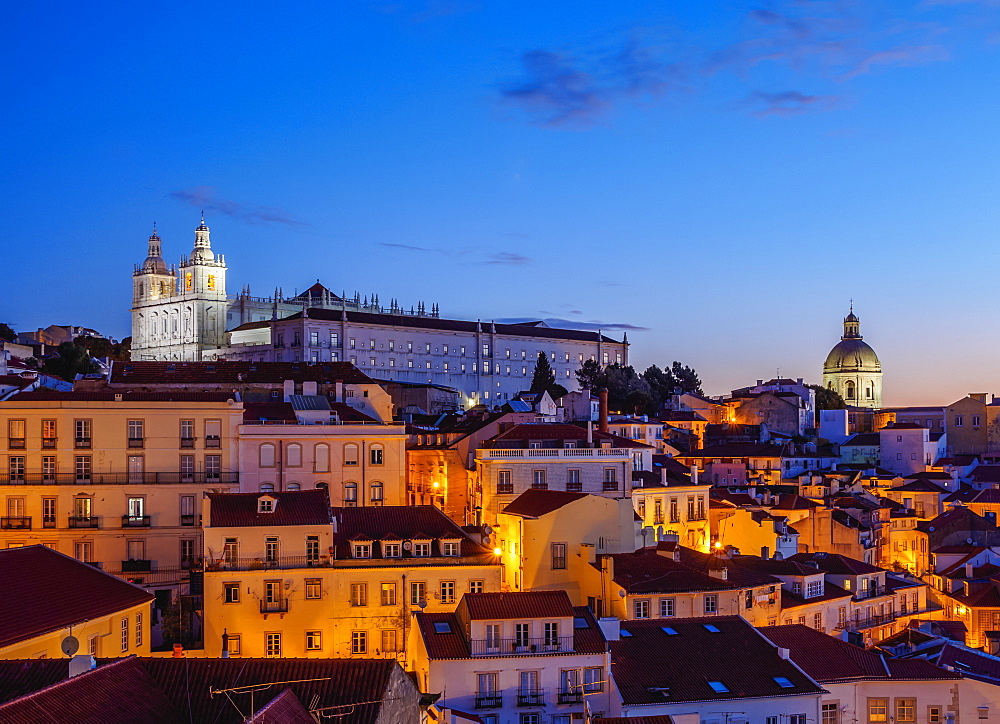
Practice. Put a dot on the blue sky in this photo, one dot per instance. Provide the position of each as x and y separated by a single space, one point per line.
721 176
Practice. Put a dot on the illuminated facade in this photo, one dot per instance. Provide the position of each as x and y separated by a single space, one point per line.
853 369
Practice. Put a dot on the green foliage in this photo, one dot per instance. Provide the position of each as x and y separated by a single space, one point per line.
638 394
827 399
544 378
72 360
6 333
100 347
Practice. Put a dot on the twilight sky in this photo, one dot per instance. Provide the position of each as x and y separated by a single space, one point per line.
721 176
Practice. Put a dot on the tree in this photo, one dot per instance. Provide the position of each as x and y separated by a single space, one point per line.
686 378
590 376
544 378
6 333
664 383
72 360
827 399
101 347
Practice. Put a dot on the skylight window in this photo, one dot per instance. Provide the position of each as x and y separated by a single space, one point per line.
783 682
625 634
580 622
711 628
442 627
718 687
669 631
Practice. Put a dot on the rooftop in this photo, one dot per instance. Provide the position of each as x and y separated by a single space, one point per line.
536 503
224 372
402 523
239 510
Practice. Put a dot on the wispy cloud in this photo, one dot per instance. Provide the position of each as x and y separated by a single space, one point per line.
204 197
408 247
576 324
788 103
554 90
899 56
507 257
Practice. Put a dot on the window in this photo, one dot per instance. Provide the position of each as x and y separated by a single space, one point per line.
641 608
593 679
271 551
213 466
213 433
711 603
477 586
48 512
359 594
504 484
272 645
48 434
391 550
83 430
135 433
831 713
187 552
718 687
231 592
265 504
125 634
667 608
361 550
350 494
814 588
359 642
573 483
421 550
550 631
312 548
538 480
975 420
293 455
447 592
350 454
48 468
878 710
418 592
314 640
906 710
522 634
449 549
558 556
15 434
388 594
933 715
818 621
16 467
83 551
231 551
377 491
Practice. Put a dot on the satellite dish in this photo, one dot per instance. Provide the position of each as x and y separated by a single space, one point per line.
487 541
407 546
423 603
70 645
487 529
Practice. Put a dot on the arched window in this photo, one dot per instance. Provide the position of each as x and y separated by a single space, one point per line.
267 455
869 391
322 458
293 486
849 389
375 454
322 486
294 455
350 454
376 493
350 494
267 487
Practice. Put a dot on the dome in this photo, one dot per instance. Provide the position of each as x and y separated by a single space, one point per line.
852 354
154 265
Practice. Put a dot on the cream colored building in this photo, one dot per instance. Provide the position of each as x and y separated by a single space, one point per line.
853 369
284 578
679 510
116 479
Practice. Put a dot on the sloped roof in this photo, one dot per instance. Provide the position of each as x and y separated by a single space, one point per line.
919 485
651 660
117 693
836 563
24 676
300 507
521 604
536 503
263 411
974 664
988 495
986 474
126 395
646 571
790 501
738 450
525 431
285 708
46 591
230 373
402 522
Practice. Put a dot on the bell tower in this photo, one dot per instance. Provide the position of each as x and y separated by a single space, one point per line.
203 294
153 285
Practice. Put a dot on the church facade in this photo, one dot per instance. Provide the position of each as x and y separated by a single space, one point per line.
853 369
184 314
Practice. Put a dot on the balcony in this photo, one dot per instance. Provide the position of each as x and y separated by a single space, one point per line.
521 647
610 486
49 443
135 521
265 564
82 443
213 441
570 697
279 606
188 520
84 521
136 442
531 697
492 700
119 478
187 442
556 452
133 565
16 522
15 443
574 487
48 521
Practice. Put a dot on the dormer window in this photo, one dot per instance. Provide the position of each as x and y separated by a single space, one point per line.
361 550
266 504
421 549
450 548
391 550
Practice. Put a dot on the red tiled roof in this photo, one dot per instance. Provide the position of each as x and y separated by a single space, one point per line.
918 669
920 485
989 495
526 604
646 571
126 395
257 411
536 503
830 592
117 693
982 594
738 450
23 676
403 522
650 660
285 708
231 373
346 413
836 563
655 719
790 501
300 507
525 431
974 664
46 591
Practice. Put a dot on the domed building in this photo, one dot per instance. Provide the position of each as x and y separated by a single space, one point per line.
852 368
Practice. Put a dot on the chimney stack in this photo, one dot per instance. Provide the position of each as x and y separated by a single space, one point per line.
968 570
694 474
603 415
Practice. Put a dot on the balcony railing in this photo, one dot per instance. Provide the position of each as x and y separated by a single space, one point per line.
520 647
610 485
16 522
213 441
570 697
136 442
279 606
135 521
531 697
187 519
15 443
82 443
134 565
542 452
493 700
119 478
187 442
84 521
49 443
264 564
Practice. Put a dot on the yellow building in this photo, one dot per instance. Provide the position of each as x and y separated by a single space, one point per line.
548 538
672 502
116 479
49 597
284 578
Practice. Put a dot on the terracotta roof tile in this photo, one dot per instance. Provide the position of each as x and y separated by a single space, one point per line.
45 591
836 563
406 522
526 604
302 507
536 503
224 372
126 395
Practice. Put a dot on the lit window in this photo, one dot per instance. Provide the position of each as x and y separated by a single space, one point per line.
314 640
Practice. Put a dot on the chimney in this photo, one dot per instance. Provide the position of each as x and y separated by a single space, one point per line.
80 664
784 653
289 389
603 396
225 644
968 570
590 433
338 395
694 474
178 651
309 388
798 381
760 383
611 627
